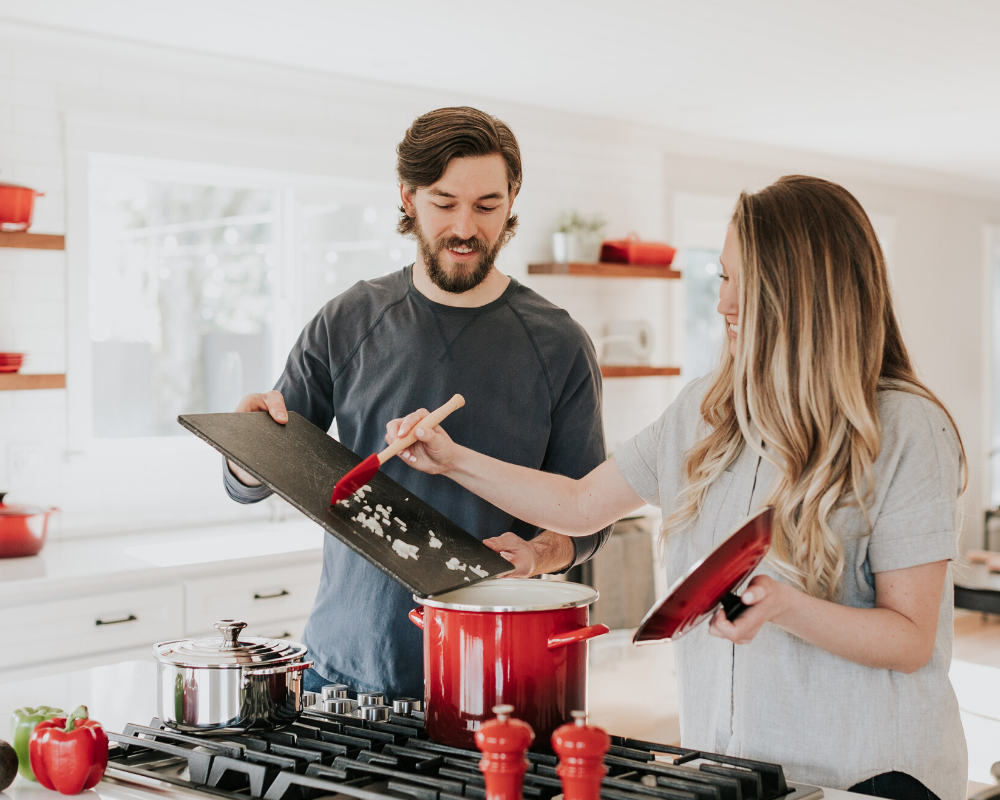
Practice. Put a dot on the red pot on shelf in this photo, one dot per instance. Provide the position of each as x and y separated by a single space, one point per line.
512 642
16 206
22 529
632 250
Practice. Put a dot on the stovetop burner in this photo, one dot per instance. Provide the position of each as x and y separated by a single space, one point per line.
326 755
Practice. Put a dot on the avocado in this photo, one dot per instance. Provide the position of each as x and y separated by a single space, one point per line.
8 765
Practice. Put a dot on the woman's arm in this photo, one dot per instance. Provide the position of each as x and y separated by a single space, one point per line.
555 502
898 633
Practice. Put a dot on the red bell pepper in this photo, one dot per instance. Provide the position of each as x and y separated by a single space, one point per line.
69 754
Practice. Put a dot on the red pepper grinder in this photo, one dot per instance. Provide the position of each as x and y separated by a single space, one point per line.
581 748
503 742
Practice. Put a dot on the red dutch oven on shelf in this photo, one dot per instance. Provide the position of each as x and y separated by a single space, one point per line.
22 529
633 250
512 641
16 206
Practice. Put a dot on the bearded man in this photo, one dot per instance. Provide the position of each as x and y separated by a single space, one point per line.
451 322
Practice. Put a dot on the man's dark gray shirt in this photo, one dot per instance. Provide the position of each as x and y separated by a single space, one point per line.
532 389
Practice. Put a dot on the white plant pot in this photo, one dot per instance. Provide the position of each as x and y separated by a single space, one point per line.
563 247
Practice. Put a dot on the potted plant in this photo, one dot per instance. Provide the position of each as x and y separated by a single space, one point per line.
578 238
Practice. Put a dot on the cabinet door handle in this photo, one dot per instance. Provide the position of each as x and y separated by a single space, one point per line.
129 618
282 593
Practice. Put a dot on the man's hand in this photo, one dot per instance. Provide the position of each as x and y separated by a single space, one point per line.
433 452
271 402
547 552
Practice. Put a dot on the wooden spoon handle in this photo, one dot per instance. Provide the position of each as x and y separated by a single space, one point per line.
432 420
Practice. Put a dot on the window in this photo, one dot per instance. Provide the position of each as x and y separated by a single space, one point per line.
198 288
703 328
181 300
700 223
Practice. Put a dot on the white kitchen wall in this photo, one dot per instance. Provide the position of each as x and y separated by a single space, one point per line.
146 99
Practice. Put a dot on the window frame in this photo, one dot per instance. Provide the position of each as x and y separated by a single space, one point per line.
197 156
287 298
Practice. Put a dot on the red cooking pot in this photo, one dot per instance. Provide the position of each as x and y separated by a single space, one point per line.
512 641
16 205
22 529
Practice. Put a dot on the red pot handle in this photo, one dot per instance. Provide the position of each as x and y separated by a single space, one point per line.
572 637
416 616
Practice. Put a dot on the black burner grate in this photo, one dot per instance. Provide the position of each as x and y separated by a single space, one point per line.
327 755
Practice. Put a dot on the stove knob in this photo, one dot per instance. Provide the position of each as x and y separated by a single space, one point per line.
371 698
309 699
339 705
334 691
405 706
374 713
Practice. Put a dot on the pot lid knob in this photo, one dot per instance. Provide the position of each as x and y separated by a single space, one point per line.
581 748
504 742
230 630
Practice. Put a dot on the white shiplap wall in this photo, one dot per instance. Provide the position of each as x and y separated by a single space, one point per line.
896 81
272 117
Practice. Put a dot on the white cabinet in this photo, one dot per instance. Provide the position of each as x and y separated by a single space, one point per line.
279 629
102 600
82 625
262 598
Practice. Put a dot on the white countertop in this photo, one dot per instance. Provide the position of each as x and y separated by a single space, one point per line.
71 565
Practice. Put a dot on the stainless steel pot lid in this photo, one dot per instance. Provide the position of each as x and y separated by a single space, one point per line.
229 651
514 594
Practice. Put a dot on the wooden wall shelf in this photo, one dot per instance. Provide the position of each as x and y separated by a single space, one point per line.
16 381
608 371
32 241
604 270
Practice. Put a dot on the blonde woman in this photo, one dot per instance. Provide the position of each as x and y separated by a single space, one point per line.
839 668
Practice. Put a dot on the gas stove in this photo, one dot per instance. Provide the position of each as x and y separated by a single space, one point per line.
326 755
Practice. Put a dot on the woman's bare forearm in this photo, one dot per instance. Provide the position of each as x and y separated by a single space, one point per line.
560 504
899 633
875 637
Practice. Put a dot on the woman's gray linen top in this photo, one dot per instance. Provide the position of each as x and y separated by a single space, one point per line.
825 719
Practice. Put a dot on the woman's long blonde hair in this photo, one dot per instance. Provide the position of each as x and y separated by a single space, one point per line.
817 340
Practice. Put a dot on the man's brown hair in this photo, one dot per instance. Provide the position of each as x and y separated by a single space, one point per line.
438 136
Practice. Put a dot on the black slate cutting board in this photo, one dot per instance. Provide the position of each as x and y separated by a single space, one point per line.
412 543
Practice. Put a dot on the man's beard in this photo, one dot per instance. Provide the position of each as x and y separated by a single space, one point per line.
465 276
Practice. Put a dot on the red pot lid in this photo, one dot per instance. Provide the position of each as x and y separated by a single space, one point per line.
696 596
15 186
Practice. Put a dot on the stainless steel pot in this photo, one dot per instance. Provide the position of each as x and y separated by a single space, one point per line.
208 684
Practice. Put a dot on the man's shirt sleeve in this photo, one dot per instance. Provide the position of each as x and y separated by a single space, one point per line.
576 444
307 386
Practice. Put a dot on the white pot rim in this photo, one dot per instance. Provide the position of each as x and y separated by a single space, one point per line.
506 595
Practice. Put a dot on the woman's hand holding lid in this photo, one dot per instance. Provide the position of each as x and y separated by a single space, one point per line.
766 598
